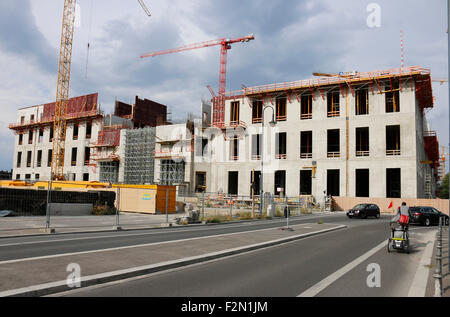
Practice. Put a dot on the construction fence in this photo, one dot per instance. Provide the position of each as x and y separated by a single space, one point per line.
92 206
218 206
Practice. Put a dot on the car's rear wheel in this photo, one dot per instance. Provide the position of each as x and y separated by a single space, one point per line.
427 222
377 215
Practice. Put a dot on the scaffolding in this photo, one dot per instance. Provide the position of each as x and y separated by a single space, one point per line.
172 172
139 156
109 172
419 79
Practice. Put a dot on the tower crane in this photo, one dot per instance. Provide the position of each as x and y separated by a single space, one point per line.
442 81
62 90
147 11
219 109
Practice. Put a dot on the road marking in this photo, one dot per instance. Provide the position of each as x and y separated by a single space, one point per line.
419 284
145 234
316 289
131 246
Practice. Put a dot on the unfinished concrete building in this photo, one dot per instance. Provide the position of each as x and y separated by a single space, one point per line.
359 135
95 142
182 153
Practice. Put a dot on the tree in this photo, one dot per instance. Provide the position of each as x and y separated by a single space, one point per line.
444 187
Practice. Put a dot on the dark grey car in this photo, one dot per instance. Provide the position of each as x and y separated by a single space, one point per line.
364 211
426 216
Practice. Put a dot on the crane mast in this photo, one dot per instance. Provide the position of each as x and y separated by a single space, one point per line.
62 90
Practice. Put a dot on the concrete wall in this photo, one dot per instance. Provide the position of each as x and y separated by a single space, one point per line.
180 150
345 203
57 209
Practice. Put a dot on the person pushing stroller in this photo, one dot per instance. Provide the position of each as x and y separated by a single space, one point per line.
399 225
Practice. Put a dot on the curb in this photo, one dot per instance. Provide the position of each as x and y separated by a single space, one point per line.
61 286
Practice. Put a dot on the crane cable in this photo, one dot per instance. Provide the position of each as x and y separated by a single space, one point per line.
89 37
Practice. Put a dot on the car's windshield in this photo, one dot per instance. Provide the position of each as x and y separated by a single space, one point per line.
359 207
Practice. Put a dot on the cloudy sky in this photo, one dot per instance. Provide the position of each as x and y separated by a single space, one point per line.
292 40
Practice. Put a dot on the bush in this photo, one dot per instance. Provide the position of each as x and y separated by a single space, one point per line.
213 220
245 215
103 210
305 211
278 213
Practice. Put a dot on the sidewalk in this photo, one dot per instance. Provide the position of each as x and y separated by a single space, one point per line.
45 275
25 226
32 226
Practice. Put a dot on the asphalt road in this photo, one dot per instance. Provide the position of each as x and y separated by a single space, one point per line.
28 247
288 269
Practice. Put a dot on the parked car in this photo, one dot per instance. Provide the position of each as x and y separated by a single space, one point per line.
364 211
426 216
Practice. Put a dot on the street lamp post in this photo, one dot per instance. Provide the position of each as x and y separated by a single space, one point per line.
448 66
272 124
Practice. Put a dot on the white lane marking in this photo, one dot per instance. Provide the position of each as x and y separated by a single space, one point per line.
419 284
130 246
317 288
167 263
145 234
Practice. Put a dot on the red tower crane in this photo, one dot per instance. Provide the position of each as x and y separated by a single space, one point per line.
218 108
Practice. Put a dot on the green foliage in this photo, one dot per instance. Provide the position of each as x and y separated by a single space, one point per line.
278 213
244 215
103 210
444 192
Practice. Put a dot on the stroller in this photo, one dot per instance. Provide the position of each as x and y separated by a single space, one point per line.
399 239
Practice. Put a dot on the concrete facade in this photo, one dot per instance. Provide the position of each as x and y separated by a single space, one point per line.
35 170
219 161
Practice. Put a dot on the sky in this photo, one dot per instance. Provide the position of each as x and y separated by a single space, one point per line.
293 39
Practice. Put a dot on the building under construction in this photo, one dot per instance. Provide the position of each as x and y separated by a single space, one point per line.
95 142
355 134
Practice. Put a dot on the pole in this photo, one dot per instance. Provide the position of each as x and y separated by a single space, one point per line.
438 272
287 212
203 206
448 53
253 193
261 146
231 208
47 211
167 205
118 210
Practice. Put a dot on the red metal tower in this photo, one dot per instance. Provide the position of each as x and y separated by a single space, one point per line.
219 101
